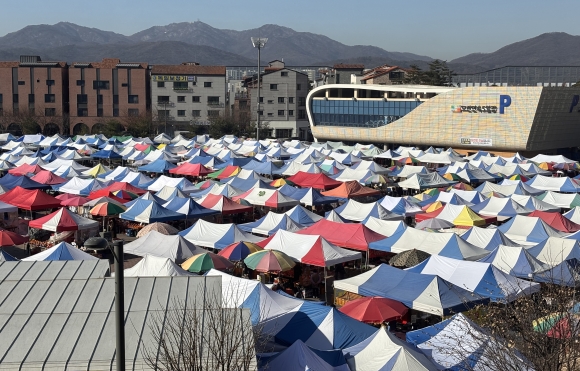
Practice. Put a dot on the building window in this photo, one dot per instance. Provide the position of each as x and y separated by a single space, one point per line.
133 99
50 82
291 100
280 112
213 113
181 112
14 98
100 99
80 82
283 133
115 112
301 101
270 114
163 114
301 114
21 82
290 112
196 99
196 113
160 84
115 99
213 101
180 85
163 99
284 73
49 98
181 99
271 101
124 85
99 112
101 84
133 112
82 112
280 99
0 98
298 86
30 98
207 84
50 112
261 113
261 99
273 86
82 99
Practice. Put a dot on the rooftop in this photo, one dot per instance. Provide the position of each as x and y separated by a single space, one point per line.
187 69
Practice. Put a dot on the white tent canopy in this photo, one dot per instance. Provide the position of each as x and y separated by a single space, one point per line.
158 244
384 227
155 266
216 236
384 352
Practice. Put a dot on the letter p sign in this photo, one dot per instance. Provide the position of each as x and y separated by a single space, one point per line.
504 101
575 100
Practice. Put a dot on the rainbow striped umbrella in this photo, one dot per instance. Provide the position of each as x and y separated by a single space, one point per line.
239 250
269 261
204 262
107 209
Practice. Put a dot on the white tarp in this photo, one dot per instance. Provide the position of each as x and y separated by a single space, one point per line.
424 181
155 266
487 238
561 184
176 248
384 227
216 236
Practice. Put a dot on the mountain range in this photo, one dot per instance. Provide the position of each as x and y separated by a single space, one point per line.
200 42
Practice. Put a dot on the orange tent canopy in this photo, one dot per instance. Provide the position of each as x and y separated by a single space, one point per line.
351 189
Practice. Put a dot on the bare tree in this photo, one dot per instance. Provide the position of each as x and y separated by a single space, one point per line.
201 335
534 332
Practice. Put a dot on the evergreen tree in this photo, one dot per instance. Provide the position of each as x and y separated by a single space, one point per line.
414 75
438 74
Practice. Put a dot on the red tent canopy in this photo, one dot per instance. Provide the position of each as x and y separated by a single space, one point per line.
106 193
63 220
48 178
30 199
351 189
265 242
123 186
141 147
191 169
25 169
224 205
432 214
557 221
354 236
319 181
8 238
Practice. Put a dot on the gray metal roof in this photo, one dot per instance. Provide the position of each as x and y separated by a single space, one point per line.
50 270
68 322
128 65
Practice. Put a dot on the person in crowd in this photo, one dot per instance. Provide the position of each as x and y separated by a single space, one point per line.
315 282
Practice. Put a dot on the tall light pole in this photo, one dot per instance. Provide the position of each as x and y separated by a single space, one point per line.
258 42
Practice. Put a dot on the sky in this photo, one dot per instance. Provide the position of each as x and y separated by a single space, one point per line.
444 29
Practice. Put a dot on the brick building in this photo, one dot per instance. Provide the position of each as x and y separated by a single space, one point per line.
33 92
187 94
102 91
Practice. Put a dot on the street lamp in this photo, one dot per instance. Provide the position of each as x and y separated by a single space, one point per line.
258 42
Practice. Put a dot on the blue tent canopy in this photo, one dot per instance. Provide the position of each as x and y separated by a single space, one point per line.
148 211
247 184
234 162
302 216
267 168
109 154
423 292
157 166
5 257
289 191
10 181
188 207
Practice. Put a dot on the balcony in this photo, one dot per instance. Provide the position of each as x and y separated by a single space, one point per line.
216 104
165 117
183 90
165 103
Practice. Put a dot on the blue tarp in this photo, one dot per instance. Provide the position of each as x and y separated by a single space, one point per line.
10 181
106 154
157 166
147 211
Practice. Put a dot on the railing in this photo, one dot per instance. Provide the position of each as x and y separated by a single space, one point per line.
165 103
216 104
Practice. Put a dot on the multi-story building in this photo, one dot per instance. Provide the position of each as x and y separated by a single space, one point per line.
187 94
384 75
283 101
33 92
104 91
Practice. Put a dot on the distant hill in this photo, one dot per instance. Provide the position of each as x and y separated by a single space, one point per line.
549 49
200 42
296 48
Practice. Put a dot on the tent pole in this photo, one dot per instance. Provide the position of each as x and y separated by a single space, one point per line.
325 285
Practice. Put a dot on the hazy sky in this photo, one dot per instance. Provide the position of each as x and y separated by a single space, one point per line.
443 29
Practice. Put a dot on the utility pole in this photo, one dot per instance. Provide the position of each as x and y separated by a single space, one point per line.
258 42
119 305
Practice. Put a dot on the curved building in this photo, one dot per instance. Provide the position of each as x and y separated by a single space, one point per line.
490 118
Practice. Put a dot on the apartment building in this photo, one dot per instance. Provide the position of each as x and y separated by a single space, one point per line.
187 94
35 92
106 90
283 101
